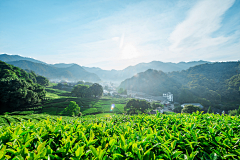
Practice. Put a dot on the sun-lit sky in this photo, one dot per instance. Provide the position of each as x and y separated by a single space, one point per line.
113 34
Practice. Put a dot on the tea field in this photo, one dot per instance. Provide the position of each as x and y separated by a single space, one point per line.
59 99
161 136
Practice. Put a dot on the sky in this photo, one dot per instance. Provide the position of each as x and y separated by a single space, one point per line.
114 34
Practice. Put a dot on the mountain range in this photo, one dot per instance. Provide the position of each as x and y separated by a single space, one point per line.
120 75
74 72
216 84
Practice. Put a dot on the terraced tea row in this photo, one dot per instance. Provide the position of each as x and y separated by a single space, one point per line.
179 136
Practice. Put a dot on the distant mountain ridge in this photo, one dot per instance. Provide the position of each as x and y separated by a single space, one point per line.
209 84
120 75
72 73
62 65
105 75
9 58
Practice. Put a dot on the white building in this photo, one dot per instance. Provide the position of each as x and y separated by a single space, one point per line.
169 96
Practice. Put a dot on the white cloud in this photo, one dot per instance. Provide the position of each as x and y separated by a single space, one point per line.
195 31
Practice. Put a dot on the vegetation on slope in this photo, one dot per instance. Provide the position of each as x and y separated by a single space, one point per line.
215 85
17 89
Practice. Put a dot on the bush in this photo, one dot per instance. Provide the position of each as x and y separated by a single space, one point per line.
72 110
177 109
190 108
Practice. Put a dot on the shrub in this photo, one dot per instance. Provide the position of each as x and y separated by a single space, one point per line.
190 108
72 110
177 109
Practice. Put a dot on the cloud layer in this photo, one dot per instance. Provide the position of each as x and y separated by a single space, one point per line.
196 30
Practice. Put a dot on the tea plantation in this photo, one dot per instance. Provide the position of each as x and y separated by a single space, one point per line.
177 136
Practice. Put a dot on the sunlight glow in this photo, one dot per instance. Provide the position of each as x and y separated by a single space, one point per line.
112 106
129 51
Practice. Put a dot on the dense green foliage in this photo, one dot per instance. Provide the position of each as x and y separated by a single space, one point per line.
63 86
135 106
177 109
179 136
157 105
17 90
42 81
84 91
71 110
215 85
97 90
190 108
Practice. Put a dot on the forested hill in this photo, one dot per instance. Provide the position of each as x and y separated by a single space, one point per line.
152 82
120 75
209 84
72 73
18 89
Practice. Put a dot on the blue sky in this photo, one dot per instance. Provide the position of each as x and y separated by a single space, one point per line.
115 34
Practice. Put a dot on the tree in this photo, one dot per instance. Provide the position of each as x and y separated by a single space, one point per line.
17 89
97 90
42 81
156 105
135 106
19 94
190 108
72 109
122 91
177 109
81 91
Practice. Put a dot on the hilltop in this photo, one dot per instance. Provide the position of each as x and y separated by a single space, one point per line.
72 73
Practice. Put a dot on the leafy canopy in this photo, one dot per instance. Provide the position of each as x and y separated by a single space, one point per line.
135 106
72 109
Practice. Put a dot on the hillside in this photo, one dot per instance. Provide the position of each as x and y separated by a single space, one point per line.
208 84
18 89
106 75
9 58
72 73
62 65
148 80
120 75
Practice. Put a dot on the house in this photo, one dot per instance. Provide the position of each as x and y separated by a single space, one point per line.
169 96
195 104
